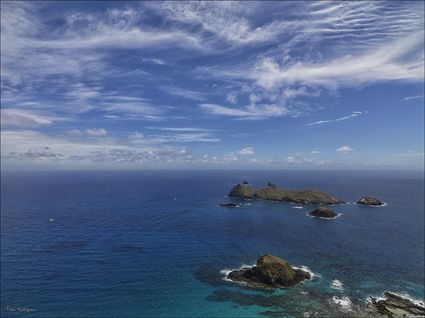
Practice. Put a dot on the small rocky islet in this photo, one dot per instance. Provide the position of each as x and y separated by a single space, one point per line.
323 212
370 201
269 273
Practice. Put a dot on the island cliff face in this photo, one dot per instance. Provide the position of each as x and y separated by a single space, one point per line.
270 272
272 192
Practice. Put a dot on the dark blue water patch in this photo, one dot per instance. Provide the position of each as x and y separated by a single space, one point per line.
129 249
132 244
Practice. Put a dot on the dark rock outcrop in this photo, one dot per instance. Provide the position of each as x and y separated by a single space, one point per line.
323 212
393 305
369 201
271 185
245 182
270 272
228 205
272 192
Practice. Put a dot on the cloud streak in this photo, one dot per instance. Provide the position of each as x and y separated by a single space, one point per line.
327 121
403 62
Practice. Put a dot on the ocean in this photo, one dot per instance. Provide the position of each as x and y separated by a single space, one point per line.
156 244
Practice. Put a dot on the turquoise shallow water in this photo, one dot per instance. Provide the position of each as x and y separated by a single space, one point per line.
132 244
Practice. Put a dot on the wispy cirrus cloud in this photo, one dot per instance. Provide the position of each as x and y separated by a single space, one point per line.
327 121
250 112
407 98
223 20
184 93
180 129
96 132
389 49
404 62
20 118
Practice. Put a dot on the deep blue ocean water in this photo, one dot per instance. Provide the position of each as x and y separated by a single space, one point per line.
135 244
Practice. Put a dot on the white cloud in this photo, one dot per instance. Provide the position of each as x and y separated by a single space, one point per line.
252 111
26 119
344 149
315 152
23 146
96 132
180 129
298 160
407 98
401 60
327 121
224 19
246 151
155 61
231 98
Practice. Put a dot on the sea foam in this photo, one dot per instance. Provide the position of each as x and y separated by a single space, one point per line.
415 301
225 272
343 302
306 269
319 217
337 284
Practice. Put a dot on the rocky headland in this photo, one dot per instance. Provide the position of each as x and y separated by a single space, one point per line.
270 272
370 201
274 193
323 212
394 305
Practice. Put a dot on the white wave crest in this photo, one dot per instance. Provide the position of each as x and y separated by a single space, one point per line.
337 284
306 269
415 301
225 272
343 302
319 217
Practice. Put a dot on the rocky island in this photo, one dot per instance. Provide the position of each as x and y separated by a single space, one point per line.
370 201
274 193
394 305
323 212
270 272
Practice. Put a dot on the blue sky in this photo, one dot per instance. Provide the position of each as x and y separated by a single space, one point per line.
140 85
